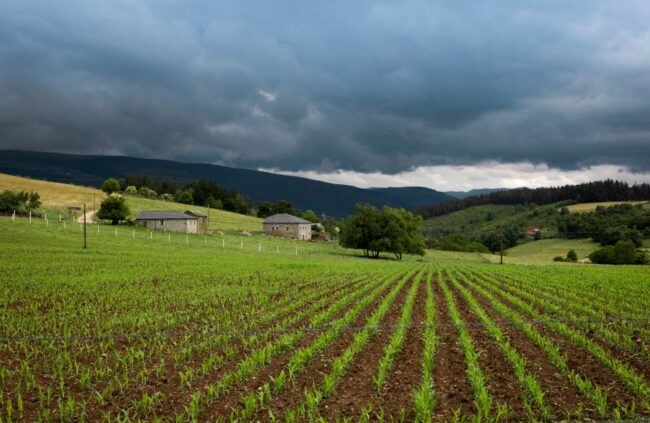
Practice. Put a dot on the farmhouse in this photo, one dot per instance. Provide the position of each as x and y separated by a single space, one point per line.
288 226
168 221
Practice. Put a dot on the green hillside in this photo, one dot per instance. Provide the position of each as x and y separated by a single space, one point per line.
475 221
543 251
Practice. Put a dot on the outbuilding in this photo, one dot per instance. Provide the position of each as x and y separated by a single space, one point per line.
289 226
168 221
201 221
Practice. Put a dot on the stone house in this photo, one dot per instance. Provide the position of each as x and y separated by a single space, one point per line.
202 221
168 221
288 226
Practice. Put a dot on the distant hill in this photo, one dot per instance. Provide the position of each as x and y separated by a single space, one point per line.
588 192
477 191
322 197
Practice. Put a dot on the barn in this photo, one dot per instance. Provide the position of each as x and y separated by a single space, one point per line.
168 221
287 225
201 219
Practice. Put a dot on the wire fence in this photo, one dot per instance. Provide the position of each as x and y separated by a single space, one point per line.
206 332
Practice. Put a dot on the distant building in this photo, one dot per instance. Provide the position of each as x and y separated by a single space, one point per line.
202 221
168 221
532 231
288 226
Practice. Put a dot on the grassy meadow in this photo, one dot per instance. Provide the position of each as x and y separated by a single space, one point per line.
57 197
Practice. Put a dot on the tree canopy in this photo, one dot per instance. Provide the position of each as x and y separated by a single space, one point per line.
113 209
391 230
110 186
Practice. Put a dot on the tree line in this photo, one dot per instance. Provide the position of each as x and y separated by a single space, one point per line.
589 192
202 192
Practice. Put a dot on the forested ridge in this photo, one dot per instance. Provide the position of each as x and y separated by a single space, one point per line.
598 191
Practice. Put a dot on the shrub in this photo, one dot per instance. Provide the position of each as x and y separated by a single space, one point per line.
21 202
559 258
572 256
131 190
166 197
147 193
624 252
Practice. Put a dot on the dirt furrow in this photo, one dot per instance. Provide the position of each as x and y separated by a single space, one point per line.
559 393
223 406
583 362
405 376
452 390
501 380
356 390
313 372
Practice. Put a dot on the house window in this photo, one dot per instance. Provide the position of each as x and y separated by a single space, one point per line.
162 222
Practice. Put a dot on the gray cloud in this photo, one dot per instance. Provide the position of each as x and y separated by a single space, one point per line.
364 86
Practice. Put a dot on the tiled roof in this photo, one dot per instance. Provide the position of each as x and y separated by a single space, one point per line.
163 215
284 218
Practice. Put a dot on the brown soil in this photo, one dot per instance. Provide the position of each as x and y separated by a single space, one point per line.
635 361
357 388
584 364
176 396
224 405
451 388
313 372
560 394
501 380
406 374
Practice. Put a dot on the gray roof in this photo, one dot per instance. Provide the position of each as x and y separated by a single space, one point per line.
163 215
284 218
195 213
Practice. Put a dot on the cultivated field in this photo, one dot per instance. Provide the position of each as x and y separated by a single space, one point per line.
143 329
589 207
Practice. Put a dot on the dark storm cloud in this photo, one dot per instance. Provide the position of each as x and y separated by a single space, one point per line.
366 86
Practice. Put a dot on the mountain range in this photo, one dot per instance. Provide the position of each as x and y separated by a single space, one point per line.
322 197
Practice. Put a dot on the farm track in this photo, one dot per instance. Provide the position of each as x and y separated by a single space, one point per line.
313 372
357 384
452 390
580 360
563 398
501 380
405 376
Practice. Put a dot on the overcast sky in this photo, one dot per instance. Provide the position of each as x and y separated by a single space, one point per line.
446 94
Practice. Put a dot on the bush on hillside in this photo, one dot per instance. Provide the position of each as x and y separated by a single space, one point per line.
110 186
147 193
21 202
624 252
113 209
131 190
457 242
572 255
166 197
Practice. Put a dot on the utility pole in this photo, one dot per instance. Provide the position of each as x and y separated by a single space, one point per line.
85 243
501 243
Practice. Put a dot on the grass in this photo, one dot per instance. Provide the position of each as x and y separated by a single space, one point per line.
57 197
478 220
588 207
54 195
543 251
219 219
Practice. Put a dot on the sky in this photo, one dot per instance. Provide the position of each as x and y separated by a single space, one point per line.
449 95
